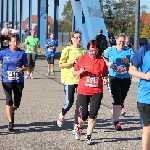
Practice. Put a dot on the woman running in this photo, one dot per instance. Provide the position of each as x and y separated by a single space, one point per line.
92 70
69 57
14 64
117 59
32 43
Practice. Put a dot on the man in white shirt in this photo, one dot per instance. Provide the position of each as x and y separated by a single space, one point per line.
15 30
5 29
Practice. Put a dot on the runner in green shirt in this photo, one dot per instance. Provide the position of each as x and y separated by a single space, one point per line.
32 43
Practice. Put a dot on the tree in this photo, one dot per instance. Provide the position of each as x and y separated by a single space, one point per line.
65 24
120 16
145 31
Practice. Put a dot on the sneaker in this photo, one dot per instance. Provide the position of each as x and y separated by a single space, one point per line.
27 76
88 140
10 126
117 125
48 74
31 76
74 130
123 112
52 73
60 121
77 132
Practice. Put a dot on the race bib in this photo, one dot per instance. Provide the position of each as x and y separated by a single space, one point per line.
12 75
121 69
49 49
91 81
32 49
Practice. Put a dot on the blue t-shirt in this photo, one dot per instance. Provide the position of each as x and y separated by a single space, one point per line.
141 60
113 55
51 43
11 62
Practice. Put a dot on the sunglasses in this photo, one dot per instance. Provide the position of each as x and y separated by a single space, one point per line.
78 37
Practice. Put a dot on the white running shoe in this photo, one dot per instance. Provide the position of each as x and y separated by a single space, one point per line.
48 74
123 112
27 76
88 141
77 134
53 73
60 121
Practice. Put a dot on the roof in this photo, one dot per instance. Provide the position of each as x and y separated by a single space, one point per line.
145 18
35 18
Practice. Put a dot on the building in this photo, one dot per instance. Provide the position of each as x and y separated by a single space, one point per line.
34 21
145 18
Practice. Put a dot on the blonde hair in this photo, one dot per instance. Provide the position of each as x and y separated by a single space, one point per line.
121 35
72 35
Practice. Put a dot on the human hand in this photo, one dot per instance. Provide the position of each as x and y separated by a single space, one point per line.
81 70
104 81
147 76
125 60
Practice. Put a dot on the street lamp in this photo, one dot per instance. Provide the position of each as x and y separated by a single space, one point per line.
137 25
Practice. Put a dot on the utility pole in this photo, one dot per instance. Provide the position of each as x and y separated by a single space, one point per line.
137 25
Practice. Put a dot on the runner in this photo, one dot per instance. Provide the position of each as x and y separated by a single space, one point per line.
92 70
51 45
69 57
32 43
119 81
14 64
140 68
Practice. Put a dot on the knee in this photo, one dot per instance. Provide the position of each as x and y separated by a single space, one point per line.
117 102
93 115
83 114
9 102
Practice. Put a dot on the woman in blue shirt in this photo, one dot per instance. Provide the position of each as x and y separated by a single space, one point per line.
14 63
119 81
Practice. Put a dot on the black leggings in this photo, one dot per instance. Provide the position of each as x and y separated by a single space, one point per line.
69 92
84 101
118 89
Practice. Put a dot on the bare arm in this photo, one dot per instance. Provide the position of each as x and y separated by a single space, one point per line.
64 65
136 73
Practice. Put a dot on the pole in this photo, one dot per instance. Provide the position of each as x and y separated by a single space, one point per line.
137 25
21 20
30 14
46 19
7 13
56 17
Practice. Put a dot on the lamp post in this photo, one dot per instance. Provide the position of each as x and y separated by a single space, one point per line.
137 25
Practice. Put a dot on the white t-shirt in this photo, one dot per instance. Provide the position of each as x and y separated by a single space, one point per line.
13 31
4 30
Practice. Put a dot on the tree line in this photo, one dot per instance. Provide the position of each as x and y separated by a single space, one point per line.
118 17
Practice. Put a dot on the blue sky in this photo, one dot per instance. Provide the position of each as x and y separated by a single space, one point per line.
51 7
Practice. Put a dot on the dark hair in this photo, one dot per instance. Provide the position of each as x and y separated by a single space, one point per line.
95 44
13 36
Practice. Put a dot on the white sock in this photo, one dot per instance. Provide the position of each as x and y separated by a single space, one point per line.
116 112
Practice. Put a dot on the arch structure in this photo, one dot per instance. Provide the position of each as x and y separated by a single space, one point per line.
88 17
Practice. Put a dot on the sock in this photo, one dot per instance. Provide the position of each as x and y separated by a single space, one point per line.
116 112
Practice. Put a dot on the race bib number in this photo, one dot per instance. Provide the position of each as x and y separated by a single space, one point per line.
49 49
91 81
121 69
12 75
32 49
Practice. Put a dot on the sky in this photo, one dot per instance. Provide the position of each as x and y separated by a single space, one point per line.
51 8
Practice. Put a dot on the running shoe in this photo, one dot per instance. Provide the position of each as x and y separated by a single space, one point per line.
48 74
53 73
117 125
123 112
31 76
60 121
10 126
88 140
27 76
77 132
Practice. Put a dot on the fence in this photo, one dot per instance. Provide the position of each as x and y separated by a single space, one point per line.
63 39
